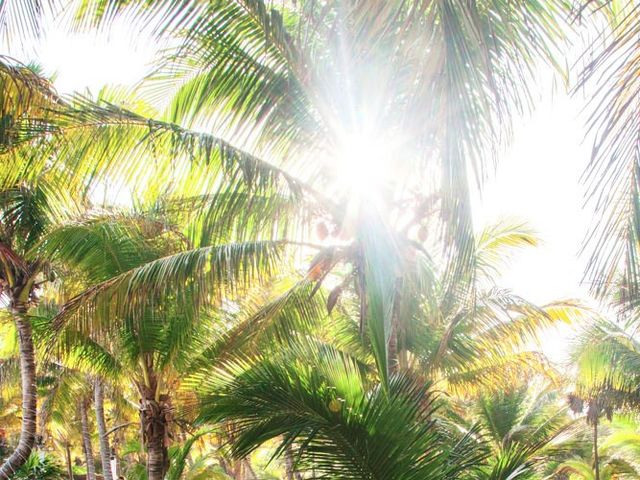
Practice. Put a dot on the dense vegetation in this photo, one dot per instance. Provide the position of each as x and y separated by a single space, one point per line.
261 261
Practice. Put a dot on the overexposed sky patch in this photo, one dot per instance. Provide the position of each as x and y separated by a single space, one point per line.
538 181
78 61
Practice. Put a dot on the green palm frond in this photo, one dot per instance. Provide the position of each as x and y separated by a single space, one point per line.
104 246
495 371
613 469
336 425
72 142
489 341
179 456
526 322
25 96
46 468
578 467
85 132
189 278
525 429
261 320
606 357
72 349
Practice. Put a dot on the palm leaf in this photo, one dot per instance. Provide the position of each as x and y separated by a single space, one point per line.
336 426
189 278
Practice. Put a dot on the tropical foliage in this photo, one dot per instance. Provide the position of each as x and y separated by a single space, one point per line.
261 261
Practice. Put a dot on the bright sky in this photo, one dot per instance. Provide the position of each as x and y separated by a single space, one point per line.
537 180
79 61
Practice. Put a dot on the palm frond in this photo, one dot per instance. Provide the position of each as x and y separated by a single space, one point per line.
612 174
262 320
180 456
22 19
606 358
495 245
334 423
189 278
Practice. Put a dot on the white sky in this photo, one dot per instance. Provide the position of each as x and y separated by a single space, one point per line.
78 61
537 180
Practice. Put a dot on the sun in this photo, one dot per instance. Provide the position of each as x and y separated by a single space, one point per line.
363 161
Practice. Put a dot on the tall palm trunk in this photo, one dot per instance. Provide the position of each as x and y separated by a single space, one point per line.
290 471
29 395
155 417
67 451
86 441
596 459
156 459
105 450
393 347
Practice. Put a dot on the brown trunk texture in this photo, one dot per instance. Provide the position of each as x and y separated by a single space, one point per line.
86 440
67 449
155 417
596 459
105 450
29 395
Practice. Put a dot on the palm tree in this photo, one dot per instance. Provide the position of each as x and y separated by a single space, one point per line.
37 137
322 404
27 211
525 430
606 378
86 439
25 216
607 360
443 73
374 237
162 336
581 469
59 389
472 334
105 449
446 74
618 453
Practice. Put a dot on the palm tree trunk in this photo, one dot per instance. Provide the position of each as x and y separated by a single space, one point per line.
393 352
392 347
249 474
596 460
105 450
155 417
289 466
86 441
156 459
29 395
67 451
